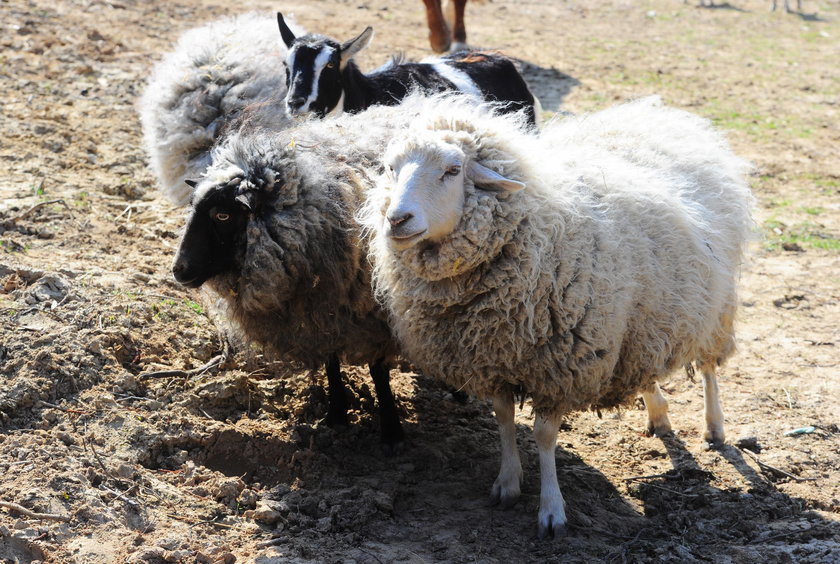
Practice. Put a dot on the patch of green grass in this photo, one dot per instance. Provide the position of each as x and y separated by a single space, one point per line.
161 310
757 125
10 246
817 210
195 306
779 204
804 234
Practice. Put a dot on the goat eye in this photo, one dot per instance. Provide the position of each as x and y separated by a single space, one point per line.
330 65
221 216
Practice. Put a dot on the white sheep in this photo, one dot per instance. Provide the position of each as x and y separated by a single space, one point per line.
216 75
580 267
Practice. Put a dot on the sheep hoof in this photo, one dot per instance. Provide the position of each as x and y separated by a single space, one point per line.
505 501
660 431
713 439
551 528
392 440
504 497
336 419
391 449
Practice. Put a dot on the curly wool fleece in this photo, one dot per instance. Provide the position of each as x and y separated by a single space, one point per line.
216 73
301 284
601 276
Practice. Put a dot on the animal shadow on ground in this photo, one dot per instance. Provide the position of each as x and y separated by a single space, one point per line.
814 17
549 85
723 6
686 511
455 448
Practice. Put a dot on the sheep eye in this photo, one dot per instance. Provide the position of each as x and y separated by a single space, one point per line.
453 170
221 216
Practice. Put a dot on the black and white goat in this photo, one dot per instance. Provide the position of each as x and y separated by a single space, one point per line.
322 79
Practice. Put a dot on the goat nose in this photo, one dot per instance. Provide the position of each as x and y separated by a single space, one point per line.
296 102
397 219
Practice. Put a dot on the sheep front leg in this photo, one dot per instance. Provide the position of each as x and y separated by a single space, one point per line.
505 489
657 409
336 393
552 516
713 412
389 417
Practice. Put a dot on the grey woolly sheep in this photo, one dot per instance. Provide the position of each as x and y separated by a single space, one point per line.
272 233
581 266
217 74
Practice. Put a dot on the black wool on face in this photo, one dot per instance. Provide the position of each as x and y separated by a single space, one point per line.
213 239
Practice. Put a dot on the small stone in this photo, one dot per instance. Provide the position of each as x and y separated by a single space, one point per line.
146 554
176 555
168 543
265 514
125 471
66 438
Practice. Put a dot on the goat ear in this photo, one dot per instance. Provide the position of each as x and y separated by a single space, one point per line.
350 48
286 33
191 183
488 179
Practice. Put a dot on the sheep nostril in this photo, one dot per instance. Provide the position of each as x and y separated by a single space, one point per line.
395 221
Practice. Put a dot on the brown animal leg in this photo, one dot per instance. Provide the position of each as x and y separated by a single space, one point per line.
438 30
459 30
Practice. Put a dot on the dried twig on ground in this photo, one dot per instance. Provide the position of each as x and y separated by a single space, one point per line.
765 466
213 362
37 206
31 514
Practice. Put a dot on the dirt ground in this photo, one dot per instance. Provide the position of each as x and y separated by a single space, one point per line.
101 464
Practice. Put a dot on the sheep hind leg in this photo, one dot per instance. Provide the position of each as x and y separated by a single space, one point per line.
336 393
506 488
657 409
551 519
714 435
389 419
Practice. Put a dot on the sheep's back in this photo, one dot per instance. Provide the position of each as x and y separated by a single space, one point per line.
196 91
304 286
620 268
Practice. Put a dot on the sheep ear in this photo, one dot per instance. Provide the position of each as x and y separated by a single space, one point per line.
350 48
488 179
245 201
286 33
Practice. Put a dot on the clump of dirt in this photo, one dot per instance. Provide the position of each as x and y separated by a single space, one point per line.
124 441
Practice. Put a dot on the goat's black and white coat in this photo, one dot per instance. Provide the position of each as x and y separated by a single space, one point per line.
322 78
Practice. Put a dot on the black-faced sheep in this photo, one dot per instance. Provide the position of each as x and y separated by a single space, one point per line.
581 267
215 74
272 233
322 78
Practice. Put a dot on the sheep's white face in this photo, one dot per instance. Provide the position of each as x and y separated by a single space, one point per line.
426 199
427 194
